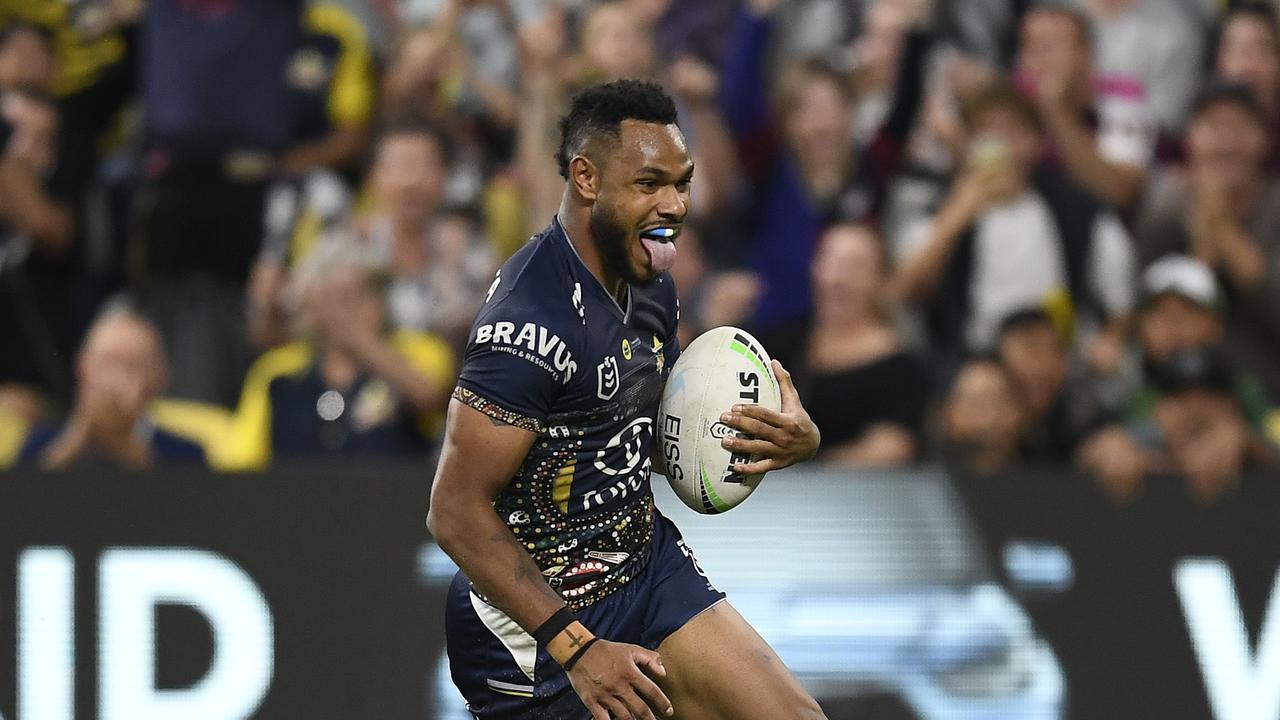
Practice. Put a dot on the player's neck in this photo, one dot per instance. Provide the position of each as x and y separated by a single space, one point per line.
578 229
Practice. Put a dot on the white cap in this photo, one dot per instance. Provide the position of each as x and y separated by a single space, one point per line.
1182 275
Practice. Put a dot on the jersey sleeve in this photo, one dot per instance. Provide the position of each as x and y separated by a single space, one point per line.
516 365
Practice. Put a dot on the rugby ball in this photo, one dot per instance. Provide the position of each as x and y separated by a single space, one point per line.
721 368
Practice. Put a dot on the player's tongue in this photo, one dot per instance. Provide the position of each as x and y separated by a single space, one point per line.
662 252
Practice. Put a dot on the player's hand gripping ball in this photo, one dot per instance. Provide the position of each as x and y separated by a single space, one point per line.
729 414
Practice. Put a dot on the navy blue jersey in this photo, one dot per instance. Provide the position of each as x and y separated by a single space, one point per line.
552 351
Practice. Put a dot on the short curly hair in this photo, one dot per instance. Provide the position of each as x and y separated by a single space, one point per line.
600 110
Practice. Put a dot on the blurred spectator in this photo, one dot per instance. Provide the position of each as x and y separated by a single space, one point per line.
21 404
614 40
863 389
42 288
982 418
543 95
331 87
810 28
849 363
299 212
1199 428
1248 53
1066 424
1182 310
219 110
803 118
93 77
91 40
457 61
440 268
695 29
26 57
985 29
713 290
1224 209
120 370
29 128
1153 43
695 85
708 297
801 165
1099 125
232 95
38 273
355 387
875 56
1008 237
1061 412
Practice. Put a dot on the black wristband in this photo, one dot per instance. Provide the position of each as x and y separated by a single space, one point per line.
573 659
554 625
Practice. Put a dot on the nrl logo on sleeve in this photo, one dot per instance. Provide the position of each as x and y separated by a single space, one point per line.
607 378
533 343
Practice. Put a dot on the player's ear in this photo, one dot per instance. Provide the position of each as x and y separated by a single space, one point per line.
585 177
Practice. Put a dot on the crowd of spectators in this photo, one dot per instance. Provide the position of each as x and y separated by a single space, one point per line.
990 232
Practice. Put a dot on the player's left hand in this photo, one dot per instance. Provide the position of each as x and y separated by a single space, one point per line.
778 438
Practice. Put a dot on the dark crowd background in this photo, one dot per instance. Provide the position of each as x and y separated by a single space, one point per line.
996 233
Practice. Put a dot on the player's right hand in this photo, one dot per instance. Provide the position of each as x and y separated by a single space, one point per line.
611 681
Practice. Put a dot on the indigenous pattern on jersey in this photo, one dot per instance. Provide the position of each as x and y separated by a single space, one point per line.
552 352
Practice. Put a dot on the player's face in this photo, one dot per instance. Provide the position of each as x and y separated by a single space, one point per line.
643 194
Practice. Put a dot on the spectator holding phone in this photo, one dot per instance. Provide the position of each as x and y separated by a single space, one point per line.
1011 235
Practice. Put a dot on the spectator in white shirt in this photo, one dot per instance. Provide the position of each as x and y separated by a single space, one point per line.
1009 236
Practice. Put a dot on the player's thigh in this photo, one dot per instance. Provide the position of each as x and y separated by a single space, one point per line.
719 668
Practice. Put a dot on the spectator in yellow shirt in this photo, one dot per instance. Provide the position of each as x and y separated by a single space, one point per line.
352 387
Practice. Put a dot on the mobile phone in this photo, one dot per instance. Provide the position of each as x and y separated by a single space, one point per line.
987 153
